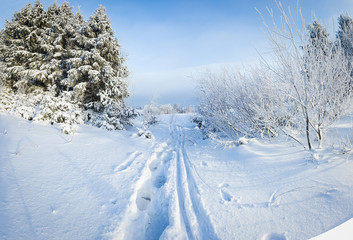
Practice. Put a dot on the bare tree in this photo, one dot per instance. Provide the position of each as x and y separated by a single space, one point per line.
314 70
299 92
237 104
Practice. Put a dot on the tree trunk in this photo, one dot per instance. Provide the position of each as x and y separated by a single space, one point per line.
307 132
319 134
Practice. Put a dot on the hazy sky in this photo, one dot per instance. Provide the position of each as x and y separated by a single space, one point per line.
166 41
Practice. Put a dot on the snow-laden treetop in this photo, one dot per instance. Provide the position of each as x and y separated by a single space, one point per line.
57 52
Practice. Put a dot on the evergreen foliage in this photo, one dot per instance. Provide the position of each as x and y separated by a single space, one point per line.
57 54
318 39
345 38
345 34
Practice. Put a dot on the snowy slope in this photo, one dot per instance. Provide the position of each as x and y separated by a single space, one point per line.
342 232
116 185
52 188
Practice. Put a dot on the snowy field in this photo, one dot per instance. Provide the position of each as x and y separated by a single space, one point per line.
98 184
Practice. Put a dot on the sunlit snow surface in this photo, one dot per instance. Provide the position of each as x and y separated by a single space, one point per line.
119 185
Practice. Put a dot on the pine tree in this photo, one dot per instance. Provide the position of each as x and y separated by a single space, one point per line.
345 34
59 20
319 37
24 45
96 71
99 70
55 53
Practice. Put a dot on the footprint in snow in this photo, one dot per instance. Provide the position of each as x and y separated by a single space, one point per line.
226 195
154 165
53 210
143 199
223 185
274 236
159 181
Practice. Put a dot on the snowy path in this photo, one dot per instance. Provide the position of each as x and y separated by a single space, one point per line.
147 215
190 213
176 185
166 202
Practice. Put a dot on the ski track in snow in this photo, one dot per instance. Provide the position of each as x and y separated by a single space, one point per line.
166 202
196 222
133 156
129 187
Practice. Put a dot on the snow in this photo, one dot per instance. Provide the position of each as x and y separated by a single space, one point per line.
56 186
99 184
343 231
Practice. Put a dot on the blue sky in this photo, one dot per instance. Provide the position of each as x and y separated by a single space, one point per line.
160 37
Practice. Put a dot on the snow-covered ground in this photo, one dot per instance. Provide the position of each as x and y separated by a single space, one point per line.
97 184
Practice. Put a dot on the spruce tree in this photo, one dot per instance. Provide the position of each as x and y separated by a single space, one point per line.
59 19
56 53
345 37
100 69
97 73
319 36
23 48
345 34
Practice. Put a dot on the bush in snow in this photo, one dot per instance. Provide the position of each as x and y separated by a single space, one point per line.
165 109
58 54
41 106
149 115
17 104
235 105
314 73
300 93
112 117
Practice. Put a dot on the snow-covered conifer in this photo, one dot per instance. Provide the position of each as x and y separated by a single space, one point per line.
318 37
23 47
100 67
96 70
345 34
59 56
